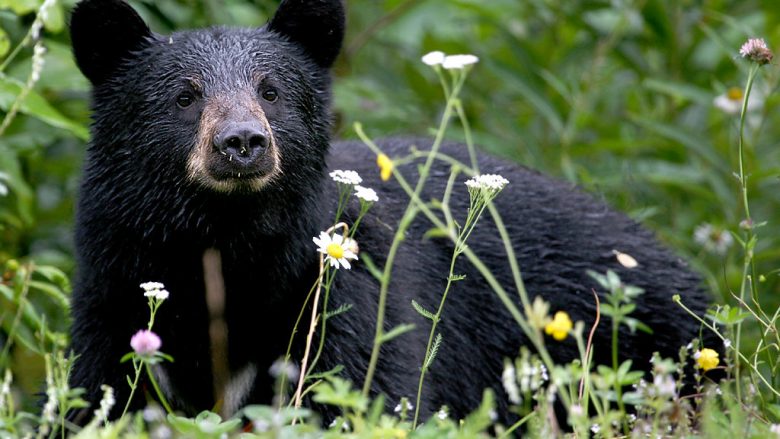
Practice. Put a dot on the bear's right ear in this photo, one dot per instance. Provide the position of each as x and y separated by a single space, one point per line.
316 25
103 33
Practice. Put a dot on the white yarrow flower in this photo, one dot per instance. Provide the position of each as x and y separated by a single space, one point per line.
346 177
492 182
149 286
455 62
155 290
338 250
434 58
366 194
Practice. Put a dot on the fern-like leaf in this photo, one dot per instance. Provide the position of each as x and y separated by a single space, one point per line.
422 311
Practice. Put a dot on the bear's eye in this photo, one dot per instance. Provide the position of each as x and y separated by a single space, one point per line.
185 99
270 94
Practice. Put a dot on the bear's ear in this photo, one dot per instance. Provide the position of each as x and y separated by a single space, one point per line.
103 33
317 25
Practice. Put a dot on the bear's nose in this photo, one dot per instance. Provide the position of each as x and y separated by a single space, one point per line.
243 141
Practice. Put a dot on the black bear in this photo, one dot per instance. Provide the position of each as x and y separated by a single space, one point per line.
219 139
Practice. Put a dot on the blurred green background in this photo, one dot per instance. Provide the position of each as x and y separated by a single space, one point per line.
627 98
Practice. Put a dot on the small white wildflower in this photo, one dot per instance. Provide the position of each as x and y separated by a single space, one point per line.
775 428
492 182
262 426
689 346
149 286
153 413
106 403
442 414
713 239
727 343
346 177
455 62
155 290
509 381
338 250
434 58
664 385
631 418
37 62
718 391
493 415
366 194
286 368
595 428
576 410
158 294
5 391
400 407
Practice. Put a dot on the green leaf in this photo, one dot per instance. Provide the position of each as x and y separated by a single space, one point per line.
397 331
368 262
340 310
422 311
432 353
5 43
436 232
338 392
20 7
328 373
35 105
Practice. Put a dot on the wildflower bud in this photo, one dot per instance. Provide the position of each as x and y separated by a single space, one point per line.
746 224
12 265
756 50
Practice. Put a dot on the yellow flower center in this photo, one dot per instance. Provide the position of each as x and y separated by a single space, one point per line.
385 166
560 326
708 359
335 251
734 94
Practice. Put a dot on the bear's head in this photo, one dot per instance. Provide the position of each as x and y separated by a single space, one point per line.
226 110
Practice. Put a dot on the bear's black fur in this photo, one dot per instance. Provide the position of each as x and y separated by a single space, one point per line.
153 199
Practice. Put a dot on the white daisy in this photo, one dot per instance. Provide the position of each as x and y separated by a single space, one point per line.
346 177
366 194
730 101
338 250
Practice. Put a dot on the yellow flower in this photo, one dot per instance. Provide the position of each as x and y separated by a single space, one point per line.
707 359
385 166
559 327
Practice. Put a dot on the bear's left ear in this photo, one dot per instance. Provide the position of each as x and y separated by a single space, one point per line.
317 25
103 33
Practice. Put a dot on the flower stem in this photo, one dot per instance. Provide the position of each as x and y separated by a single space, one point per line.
406 220
157 390
748 264
137 363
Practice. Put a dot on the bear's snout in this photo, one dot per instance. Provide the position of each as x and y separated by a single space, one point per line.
243 142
